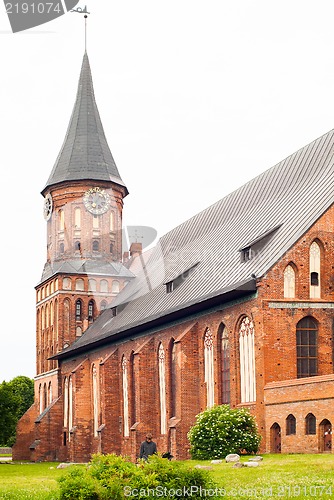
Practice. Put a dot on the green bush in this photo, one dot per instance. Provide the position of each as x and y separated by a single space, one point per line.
221 430
114 477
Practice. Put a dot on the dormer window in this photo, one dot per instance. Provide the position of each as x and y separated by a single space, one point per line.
248 251
246 254
114 311
173 284
169 287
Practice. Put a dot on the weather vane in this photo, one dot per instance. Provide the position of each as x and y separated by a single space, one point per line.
84 11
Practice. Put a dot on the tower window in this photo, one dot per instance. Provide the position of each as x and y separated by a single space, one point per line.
77 246
78 310
61 248
91 310
96 246
111 248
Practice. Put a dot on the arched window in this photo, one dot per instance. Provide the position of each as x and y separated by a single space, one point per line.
173 376
290 425
61 248
247 361
51 314
125 396
112 221
67 285
96 246
50 393
91 310
66 402
77 246
66 317
289 282
78 310
111 248
70 406
115 286
104 286
79 284
91 285
47 316
95 400
103 305
77 218
315 271
40 395
132 374
208 369
225 364
56 320
162 389
310 424
307 347
61 220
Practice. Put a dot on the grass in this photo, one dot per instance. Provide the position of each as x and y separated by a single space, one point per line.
278 476
27 481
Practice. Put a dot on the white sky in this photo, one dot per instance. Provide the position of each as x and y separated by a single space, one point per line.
196 98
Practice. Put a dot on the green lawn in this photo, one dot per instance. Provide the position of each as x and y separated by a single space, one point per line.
278 476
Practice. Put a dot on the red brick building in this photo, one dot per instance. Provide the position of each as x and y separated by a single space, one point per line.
235 306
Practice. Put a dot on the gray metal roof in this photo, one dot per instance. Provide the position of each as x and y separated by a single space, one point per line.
281 205
85 266
85 154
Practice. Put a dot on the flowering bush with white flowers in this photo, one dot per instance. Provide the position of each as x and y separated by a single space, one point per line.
221 430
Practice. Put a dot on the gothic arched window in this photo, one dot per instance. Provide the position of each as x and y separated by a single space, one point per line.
66 317
307 347
78 310
209 369
95 400
162 389
289 282
173 377
247 361
125 396
290 425
315 271
310 424
225 364
91 310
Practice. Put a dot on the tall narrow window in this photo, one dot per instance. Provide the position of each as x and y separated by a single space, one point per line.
225 364
173 378
66 402
307 347
289 282
104 286
314 271
78 310
115 286
162 390
61 248
70 406
310 424
66 317
77 246
290 425
91 285
112 221
96 246
247 361
40 394
125 396
95 400
133 389
61 220
103 305
208 369
77 218
91 310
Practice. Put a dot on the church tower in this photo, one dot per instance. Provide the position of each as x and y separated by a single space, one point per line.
83 203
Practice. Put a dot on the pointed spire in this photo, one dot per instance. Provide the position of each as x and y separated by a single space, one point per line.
85 154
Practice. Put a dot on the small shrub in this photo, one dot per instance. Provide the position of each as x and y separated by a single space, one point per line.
114 477
221 430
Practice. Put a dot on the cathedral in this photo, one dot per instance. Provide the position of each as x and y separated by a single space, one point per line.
234 306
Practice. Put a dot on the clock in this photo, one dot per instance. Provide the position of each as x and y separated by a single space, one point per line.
47 210
96 201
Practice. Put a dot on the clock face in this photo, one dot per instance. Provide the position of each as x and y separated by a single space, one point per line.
96 201
47 210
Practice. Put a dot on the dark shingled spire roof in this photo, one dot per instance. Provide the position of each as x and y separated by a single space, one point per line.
85 154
